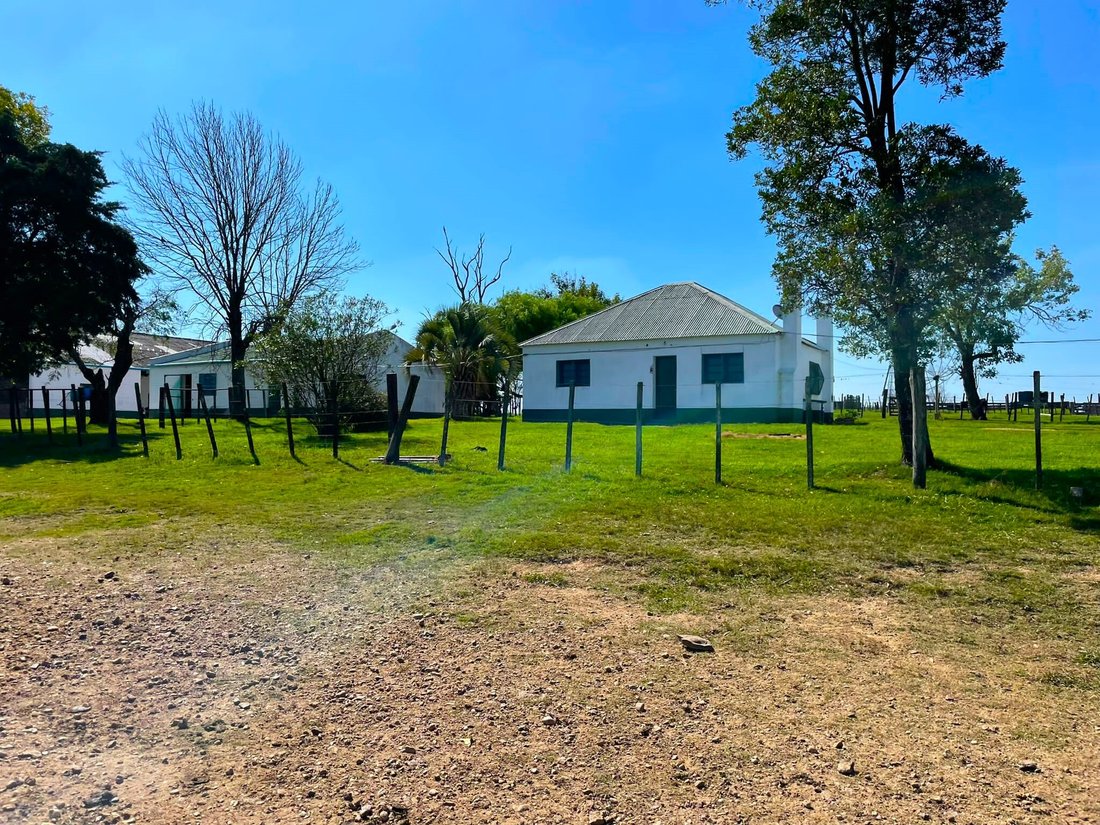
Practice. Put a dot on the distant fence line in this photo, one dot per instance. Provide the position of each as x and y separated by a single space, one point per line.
174 406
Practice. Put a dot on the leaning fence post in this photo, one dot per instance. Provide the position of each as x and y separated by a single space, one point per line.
448 408
638 433
503 426
166 394
718 433
391 403
248 427
141 420
569 428
209 427
46 409
1037 402
393 450
289 426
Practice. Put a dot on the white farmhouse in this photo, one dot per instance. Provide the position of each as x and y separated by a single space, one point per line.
678 341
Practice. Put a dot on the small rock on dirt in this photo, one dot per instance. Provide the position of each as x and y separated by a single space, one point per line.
1029 767
846 768
696 644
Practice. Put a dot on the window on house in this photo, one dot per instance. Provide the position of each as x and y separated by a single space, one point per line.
578 372
208 383
724 368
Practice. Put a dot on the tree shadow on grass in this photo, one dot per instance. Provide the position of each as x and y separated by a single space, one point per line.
1056 492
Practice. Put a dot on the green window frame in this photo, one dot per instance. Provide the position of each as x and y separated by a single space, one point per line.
577 371
724 368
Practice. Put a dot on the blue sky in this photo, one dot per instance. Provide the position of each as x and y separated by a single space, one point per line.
586 135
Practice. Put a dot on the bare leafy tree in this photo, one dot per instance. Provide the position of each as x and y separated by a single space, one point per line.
471 281
223 213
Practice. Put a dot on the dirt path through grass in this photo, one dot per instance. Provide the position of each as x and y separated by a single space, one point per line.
254 684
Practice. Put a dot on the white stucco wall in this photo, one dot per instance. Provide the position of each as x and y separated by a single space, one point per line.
616 369
776 367
63 376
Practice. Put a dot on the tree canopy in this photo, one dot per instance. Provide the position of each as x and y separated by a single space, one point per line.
843 165
68 268
986 314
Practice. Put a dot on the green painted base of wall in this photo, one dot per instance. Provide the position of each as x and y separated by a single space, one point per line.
697 415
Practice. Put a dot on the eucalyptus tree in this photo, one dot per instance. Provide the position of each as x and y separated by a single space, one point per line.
835 190
986 315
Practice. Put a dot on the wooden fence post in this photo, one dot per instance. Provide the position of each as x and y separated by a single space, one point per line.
209 427
569 428
393 451
448 406
289 426
391 403
30 406
11 409
809 436
718 433
334 402
141 420
885 398
920 427
64 413
1037 402
1062 408
77 417
160 408
505 401
248 428
46 410
638 433
167 401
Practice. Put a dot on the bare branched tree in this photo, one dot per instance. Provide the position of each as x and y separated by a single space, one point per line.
222 213
471 281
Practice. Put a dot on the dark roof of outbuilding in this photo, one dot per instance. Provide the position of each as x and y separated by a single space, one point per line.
680 310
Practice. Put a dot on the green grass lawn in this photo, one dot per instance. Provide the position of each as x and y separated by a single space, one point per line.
980 538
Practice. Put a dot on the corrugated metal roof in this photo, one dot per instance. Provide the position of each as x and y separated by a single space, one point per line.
682 310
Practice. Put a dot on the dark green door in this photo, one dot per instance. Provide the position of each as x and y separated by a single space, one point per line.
665 383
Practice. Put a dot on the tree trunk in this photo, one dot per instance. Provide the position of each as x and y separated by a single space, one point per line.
903 366
921 448
903 363
970 386
238 347
98 406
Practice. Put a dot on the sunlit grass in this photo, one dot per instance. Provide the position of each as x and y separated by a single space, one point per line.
980 538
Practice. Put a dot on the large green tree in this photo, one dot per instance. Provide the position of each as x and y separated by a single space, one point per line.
988 312
524 315
68 268
826 120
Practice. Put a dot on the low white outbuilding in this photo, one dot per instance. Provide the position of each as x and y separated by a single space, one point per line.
678 341
97 354
209 368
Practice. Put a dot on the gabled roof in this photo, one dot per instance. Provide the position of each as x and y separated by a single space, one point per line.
207 353
681 310
148 346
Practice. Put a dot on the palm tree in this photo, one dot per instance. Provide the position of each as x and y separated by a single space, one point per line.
473 355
